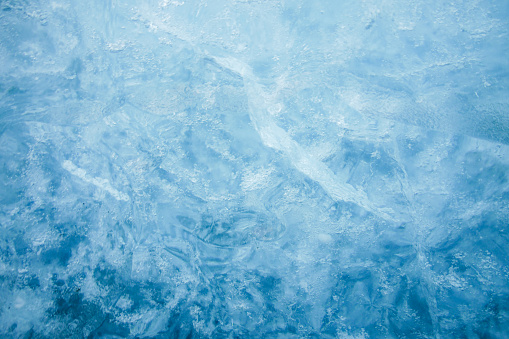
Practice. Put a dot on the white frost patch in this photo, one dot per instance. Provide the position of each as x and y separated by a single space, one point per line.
19 302
170 2
325 238
124 303
117 46
101 183
256 180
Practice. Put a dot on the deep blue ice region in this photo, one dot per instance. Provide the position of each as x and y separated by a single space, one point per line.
254 169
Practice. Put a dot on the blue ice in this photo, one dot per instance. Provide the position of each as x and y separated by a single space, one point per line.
254 169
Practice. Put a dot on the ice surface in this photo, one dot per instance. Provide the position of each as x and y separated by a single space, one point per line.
267 169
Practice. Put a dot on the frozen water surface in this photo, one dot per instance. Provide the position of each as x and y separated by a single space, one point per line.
265 169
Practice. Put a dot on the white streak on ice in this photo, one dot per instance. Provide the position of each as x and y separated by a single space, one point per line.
277 138
101 183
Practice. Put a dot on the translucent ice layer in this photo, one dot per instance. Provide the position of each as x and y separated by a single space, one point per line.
265 169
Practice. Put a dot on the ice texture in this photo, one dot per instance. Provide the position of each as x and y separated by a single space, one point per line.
254 169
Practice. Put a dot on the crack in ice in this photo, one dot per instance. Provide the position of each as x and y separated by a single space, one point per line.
277 138
101 183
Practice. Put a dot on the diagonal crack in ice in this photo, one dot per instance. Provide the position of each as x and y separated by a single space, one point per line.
100 183
277 138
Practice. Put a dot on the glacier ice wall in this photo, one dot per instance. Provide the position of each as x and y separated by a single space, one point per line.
267 169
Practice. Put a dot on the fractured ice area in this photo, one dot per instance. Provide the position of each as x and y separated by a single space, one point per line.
266 169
